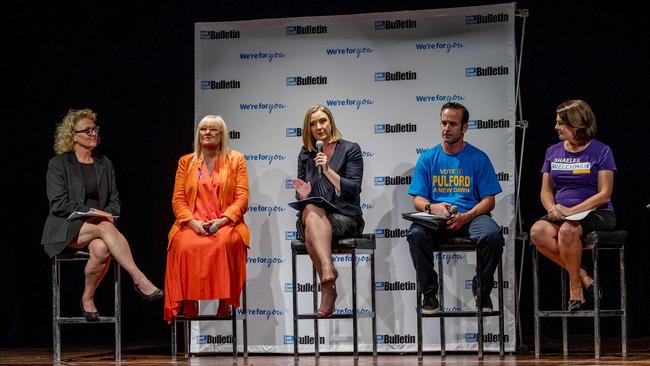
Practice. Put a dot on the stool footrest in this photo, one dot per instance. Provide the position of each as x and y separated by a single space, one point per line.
82 320
203 317
334 316
461 314
578 314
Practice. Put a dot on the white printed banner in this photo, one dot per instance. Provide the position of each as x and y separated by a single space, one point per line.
385 77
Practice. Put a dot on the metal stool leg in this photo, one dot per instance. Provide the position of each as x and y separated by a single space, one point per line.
594 254
245 323
315 298
502 333
418 311
623 303
233 314
536 302
56 311
479 304
374 303
441 297
118 310
355 336
565 337
295 304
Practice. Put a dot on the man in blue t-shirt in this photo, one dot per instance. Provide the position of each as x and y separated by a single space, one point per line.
455 173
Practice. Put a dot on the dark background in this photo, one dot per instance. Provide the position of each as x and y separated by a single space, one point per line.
133 64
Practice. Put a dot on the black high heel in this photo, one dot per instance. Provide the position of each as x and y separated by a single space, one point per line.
91 316
154 296
575 305
590 291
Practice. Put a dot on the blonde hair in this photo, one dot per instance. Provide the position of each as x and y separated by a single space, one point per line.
307 139
577 114
64 135
225 139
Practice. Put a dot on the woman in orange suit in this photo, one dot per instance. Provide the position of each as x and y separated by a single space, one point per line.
206 254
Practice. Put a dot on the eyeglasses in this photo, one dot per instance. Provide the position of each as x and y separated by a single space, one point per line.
204 130
88 131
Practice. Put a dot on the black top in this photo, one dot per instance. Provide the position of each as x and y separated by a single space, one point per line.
90 183
347 162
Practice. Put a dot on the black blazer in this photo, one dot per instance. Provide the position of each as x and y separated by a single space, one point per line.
347 162
66 192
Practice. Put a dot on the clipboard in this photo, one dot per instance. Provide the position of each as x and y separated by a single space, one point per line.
318 201
433 222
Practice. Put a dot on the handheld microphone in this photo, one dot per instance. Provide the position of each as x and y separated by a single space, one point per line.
211 228
319 149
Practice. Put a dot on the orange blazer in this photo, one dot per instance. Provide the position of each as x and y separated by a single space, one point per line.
233 192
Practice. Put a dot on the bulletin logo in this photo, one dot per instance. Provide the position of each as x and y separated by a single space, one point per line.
306 80
390 233
395 286
266 209
307 339
261 55
395 76
214 339
397 180
479 124
395 24
294 131
395 338
221 34
290 235
486 18
220 84
486 71
298 30
396 127
487 338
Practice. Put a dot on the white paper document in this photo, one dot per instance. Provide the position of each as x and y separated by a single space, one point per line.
578 216
78 214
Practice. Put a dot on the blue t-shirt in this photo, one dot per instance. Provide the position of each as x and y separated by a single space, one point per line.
462 179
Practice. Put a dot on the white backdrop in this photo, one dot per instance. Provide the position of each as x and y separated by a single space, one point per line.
385 77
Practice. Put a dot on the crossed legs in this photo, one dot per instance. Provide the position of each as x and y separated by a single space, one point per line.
562 244
318 240
104 242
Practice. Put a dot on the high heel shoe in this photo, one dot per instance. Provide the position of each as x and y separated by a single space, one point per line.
328 312
157 294
590 291
575 305
91 316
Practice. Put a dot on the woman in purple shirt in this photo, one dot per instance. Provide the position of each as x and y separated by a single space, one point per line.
577 177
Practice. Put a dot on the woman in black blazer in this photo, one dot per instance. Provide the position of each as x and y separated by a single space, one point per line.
79 180
332 171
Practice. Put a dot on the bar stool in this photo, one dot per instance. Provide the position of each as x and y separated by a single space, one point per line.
58 320
461 244
353 246
232 317
594 241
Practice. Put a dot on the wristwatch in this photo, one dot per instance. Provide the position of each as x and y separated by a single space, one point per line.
427 208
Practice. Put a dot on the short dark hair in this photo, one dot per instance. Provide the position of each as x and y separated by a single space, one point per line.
458 106
577 114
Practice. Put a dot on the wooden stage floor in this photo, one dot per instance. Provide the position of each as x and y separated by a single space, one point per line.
581 353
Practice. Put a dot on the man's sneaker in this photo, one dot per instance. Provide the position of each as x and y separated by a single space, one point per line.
430 304
487 304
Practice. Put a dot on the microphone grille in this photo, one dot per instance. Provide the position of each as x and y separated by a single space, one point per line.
453 209
319 144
